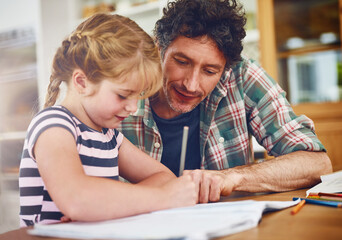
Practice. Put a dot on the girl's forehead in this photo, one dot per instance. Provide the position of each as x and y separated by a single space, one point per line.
128 82
131 80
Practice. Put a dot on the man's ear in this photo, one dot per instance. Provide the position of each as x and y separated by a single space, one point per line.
159 49
80 81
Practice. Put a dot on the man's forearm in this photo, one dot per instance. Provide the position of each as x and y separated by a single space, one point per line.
288 172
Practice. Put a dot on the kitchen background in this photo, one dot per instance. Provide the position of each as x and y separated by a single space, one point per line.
301 49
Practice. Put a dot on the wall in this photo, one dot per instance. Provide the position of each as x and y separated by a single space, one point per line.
18 13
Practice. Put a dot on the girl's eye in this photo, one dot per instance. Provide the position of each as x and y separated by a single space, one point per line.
122 97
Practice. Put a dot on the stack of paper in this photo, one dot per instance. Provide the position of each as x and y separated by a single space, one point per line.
202 221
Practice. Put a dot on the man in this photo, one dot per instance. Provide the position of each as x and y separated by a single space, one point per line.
224 99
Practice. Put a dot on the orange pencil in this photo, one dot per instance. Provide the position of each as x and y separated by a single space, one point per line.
298 207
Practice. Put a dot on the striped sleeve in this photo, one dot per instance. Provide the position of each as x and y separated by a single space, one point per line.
48 118
31 185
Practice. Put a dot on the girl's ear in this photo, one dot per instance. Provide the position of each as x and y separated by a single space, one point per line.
80 82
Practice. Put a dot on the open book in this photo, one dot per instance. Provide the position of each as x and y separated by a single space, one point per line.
330 183
202 221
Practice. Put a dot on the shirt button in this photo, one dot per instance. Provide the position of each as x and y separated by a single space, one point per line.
221 139
157 145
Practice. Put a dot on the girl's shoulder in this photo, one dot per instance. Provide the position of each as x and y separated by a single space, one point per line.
55 112
55 116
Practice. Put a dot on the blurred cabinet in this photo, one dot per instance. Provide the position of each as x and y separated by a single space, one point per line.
251 41
300 43
19 96
144 12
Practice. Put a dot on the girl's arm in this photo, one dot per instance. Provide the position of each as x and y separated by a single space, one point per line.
86 198
138 167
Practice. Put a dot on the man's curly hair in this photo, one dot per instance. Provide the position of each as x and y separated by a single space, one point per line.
221 20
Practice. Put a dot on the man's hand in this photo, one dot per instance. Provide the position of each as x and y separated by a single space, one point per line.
288 172
211 183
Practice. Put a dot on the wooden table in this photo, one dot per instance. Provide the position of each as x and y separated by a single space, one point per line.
311 222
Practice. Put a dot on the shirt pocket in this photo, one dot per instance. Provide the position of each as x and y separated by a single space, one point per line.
233 137
228 148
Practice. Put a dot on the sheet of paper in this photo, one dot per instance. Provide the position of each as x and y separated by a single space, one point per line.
332 176
202 221
331 183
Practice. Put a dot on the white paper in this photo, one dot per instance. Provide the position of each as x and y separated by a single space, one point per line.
202 221
332 176
331 183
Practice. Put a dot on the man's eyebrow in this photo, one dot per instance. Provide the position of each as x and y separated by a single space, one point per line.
217 66
179 54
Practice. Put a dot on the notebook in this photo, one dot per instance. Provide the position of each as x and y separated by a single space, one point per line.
330 183
202 221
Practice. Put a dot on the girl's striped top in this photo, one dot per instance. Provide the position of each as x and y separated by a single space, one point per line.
98 152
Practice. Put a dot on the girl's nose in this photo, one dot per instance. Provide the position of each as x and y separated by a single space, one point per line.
132 105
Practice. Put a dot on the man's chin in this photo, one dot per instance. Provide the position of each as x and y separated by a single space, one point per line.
182 108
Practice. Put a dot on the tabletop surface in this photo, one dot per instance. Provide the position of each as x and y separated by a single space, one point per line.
311 222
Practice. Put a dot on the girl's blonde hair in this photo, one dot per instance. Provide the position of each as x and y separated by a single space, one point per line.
107 46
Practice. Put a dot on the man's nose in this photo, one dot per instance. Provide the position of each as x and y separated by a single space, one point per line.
192 81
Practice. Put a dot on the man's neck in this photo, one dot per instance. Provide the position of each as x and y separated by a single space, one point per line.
161 107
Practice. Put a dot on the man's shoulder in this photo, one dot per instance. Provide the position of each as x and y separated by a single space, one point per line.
245 63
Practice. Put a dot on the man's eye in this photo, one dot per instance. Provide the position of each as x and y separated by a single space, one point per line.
210 72
181 61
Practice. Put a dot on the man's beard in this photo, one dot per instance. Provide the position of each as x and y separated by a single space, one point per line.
175 106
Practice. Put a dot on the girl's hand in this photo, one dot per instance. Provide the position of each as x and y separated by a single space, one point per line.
181 192
65 219
212 184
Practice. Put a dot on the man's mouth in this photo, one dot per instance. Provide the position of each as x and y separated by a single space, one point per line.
185 96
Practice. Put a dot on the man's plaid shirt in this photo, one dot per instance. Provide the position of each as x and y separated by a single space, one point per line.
246 101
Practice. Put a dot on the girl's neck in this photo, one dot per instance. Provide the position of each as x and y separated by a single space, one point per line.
76 108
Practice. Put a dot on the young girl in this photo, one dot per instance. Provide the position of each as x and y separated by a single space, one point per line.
73 154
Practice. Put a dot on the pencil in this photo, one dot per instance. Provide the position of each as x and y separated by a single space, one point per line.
321 194
183 152
335 199
335 195
321 202
298 207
